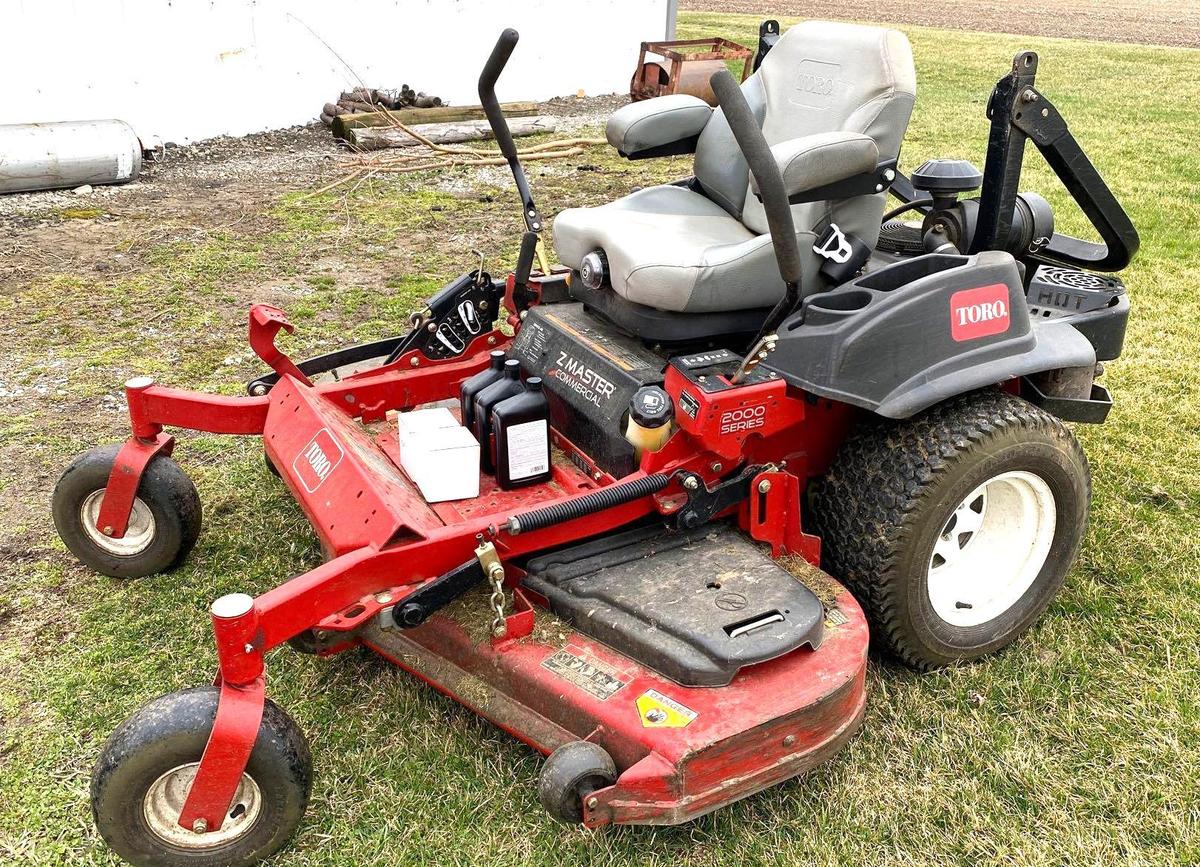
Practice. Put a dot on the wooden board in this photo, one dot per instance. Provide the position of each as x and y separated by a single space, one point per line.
370 139
342 124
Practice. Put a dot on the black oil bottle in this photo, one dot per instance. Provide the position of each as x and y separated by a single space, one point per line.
471 387
522 428
509 385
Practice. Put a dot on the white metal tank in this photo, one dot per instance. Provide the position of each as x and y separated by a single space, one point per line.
48 156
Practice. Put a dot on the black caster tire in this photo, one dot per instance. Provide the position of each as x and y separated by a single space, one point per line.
956 528
163 527
145 769
570 774
271 468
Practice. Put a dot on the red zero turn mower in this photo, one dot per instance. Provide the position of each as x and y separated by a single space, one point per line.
753 362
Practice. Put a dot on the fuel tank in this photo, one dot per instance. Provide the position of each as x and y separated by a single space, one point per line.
590 372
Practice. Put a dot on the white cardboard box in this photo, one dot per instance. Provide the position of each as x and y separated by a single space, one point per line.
420 422
439 455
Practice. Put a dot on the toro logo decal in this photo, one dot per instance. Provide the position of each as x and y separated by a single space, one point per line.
743 418
815 84
317 460
979 312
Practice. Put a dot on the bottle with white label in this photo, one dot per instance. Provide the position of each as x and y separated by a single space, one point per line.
522 428
509 385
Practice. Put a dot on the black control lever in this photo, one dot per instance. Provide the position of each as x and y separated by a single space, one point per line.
758 154
495 117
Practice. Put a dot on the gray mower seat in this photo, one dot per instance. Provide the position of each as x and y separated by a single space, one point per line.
834 101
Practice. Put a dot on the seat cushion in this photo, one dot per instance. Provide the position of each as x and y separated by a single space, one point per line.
674 249
707 248
827 76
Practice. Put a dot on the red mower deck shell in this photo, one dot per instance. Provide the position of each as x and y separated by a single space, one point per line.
776 719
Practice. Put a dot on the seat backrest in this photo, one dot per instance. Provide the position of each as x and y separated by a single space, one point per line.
822 76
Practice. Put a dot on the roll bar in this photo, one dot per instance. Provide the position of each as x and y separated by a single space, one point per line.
1018 111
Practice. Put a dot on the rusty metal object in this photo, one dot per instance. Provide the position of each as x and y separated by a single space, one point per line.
685 71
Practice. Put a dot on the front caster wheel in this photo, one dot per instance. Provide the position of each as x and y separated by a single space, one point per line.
146 768
571 773
955 528
163 525
271 468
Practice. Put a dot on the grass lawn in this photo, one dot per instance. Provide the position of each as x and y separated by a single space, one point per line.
1079 745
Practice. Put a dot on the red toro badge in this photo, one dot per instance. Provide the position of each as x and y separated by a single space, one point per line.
979 312
317 460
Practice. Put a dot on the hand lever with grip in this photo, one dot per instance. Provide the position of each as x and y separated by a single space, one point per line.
758 154
495 117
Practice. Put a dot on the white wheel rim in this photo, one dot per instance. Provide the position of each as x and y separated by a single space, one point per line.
138 535
164 802
991 548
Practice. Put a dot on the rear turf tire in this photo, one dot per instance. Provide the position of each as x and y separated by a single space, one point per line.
136 795
163 527
896 495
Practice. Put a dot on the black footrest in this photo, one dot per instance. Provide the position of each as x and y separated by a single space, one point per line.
694 606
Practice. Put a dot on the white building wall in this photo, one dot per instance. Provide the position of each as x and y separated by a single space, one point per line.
191 69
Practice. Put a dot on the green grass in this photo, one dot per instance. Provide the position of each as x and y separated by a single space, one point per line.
1079 745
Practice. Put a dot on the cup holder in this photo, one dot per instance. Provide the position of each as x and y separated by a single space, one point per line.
842 302
833 306
902 274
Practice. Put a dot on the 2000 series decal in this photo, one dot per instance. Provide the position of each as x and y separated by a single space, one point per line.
317 460
979 312
743 418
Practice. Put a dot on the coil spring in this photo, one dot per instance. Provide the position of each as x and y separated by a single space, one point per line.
605 498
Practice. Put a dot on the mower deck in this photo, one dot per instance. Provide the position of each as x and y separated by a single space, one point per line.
680 752
548 684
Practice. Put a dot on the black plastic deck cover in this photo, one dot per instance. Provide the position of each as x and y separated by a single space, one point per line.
688 605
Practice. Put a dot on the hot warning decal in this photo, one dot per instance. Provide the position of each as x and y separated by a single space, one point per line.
317 460
659 712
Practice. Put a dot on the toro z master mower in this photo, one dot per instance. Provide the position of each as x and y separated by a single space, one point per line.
753 362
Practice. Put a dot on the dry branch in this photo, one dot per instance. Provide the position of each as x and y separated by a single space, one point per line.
431 155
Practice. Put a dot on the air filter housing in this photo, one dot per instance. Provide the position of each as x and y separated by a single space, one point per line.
945 179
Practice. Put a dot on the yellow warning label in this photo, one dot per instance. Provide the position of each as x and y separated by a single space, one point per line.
659 712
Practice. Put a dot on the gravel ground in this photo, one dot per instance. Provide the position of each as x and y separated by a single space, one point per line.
249 164
258 160
1154 22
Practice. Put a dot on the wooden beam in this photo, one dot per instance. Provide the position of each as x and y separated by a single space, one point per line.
342 124
377 138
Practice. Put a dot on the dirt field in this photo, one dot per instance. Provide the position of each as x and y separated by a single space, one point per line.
201 235
1153 22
